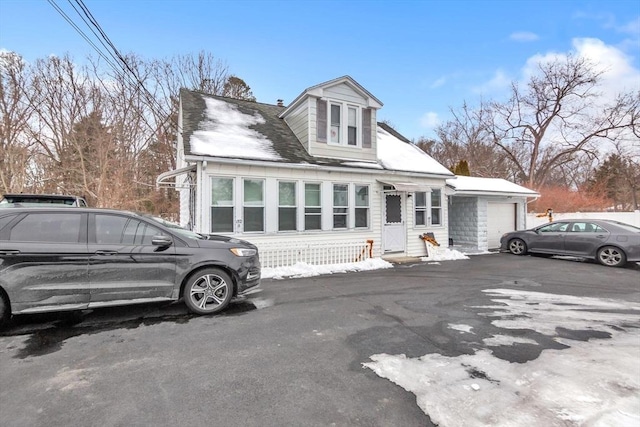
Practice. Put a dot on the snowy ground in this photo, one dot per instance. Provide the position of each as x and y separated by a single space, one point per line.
595 382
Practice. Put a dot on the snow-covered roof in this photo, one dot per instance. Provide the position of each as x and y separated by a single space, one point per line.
473 185
399 155
226 132
218 127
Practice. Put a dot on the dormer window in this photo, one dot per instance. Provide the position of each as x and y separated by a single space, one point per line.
345 124
336 132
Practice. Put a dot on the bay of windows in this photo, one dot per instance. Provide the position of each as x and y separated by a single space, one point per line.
253 205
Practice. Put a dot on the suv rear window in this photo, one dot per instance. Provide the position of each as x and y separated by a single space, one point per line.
47 227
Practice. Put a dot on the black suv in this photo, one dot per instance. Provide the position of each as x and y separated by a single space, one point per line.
47 199
55 259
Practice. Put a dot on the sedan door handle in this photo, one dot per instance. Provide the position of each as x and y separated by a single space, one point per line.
106 252
9 252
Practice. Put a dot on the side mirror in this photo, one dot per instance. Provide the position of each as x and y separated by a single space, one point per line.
161 240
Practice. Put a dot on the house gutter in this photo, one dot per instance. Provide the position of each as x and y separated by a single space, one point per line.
373 171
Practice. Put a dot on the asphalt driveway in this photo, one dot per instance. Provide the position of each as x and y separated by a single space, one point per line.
291 355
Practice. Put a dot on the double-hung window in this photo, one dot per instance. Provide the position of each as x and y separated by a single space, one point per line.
222 205
287 211
362 206
436 207
352 126
420 217
340 206
336 119
253 206
312 207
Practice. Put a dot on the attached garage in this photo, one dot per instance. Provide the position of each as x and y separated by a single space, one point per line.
481 210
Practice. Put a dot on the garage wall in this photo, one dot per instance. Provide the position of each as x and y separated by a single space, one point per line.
464 221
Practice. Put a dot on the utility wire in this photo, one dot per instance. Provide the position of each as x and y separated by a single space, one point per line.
124 70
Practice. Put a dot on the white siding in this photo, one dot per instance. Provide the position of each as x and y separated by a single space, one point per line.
342 93
298 121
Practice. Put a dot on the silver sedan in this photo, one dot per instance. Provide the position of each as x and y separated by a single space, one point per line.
611 243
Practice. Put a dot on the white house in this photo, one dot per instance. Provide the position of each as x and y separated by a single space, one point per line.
318 180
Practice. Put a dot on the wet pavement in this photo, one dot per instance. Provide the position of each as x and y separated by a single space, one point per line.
290 355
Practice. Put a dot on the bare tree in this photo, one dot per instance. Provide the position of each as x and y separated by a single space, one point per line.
16 151
558 115
464 138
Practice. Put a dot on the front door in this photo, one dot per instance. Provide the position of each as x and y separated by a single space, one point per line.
394 226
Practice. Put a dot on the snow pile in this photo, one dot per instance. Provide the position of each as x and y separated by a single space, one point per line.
302 269
440 253
594 383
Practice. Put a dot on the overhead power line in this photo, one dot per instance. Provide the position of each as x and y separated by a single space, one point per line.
109 53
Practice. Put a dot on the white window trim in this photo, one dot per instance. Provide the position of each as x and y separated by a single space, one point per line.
344 124
368 207
349 207
441 207
424 208
302 215
242 206
296 206
206 217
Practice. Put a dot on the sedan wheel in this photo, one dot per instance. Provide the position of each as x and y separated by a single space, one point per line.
517 247
208 291
611 257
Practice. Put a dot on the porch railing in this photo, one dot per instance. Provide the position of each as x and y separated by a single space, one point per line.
282 254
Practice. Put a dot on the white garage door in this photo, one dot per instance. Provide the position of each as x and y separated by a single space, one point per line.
501 218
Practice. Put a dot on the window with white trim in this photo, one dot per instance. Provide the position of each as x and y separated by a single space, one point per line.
336 130
253 204
312 206
420 200
340 206
352 126
287 210
436 207
362 206
222 206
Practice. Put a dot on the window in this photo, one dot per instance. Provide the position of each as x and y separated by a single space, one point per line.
222 205
420 198
335 123
340 205
110 229
312 207
362 206
253 205
436 207
352 127
114 229
48 228
558 227
287 211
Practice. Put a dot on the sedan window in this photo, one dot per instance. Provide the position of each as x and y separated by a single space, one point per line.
557 227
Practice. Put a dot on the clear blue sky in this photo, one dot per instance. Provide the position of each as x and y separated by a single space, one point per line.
420 58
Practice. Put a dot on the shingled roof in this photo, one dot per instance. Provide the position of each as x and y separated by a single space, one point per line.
219 127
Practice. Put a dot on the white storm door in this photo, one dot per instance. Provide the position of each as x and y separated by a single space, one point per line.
394 225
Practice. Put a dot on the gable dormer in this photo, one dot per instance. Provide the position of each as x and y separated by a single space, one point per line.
335 119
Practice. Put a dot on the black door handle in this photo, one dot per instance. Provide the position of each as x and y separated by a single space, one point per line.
106 252
9 252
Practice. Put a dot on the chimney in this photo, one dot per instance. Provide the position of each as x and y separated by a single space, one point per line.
280 103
